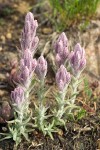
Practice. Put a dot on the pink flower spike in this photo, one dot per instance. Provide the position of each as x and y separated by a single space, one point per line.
61 48
41 69
25 77
28 37
63 78
17 96
34 64
29 17
77 59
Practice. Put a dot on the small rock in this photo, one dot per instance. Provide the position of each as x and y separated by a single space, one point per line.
4 129
15 18
2 77
98 144
47 30
9 35
3 39
2 92
1 49
60 132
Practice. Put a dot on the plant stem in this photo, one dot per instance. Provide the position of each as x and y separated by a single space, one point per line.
60 111
40 93
41 106
74 93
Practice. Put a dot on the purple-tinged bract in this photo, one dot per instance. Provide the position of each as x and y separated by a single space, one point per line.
77 59
61 49
17 96
41 68
63 78
29 40
25 74
27 60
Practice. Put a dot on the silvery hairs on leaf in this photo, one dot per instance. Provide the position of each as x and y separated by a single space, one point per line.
63 78
61 49
41 68
29 40
77 60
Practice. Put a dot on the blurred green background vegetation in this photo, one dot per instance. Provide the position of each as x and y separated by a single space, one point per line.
69 12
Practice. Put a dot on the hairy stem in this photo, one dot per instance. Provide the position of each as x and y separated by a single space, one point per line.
41 106
60 111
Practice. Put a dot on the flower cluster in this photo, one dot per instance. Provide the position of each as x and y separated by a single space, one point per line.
41 69
77 60
29 66
61 49
29 40
17 97
20 95
62 78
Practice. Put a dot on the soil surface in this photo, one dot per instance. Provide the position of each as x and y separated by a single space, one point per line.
82 134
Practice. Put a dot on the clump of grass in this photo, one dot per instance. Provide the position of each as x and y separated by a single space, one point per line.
68 12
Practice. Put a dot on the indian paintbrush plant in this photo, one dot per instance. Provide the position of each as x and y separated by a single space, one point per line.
75 61
40 116
69 66
20 96
63 79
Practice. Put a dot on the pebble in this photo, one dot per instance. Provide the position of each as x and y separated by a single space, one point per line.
60 132
47 30
1 49
3 39
4 129
2 76
15 18
9 35
98 144
2 93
